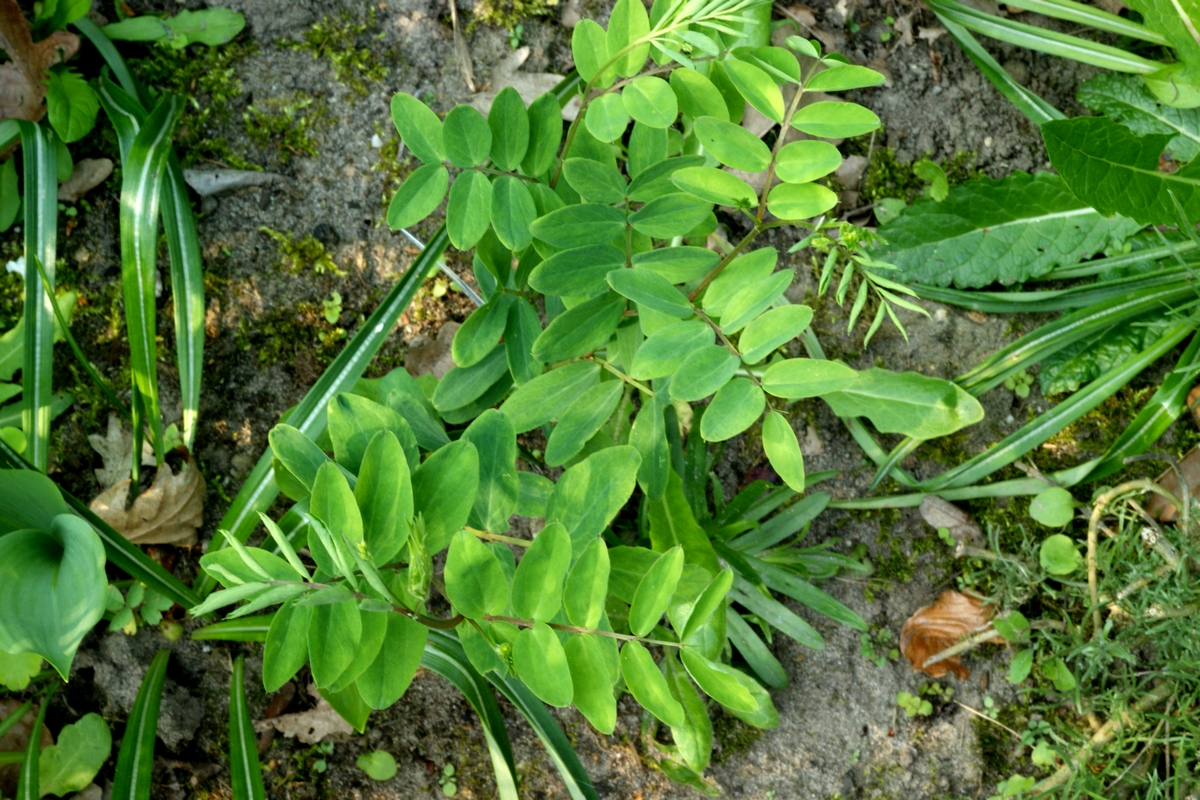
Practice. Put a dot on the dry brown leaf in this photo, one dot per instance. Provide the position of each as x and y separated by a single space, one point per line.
931 34
116 449
87 175
23 80
933 628
169 512
937 513
310 726
1157 506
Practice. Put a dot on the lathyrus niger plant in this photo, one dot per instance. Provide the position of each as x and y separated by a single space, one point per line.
604 319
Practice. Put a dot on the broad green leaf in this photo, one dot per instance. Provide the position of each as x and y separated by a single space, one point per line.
1020 666
777 62
650 101
606 118
843 78
907 403
481 331
647 684
581 421
703 372
1005 231
537 589
286 648
800 200
374 629
210 26
520 332
353 422
655 180
1059 555
627 25
593 692
419 196
796 378
510 130
1053 507
535 491
715 186
71 763
464 385
732 145
1116 172
466 137
647 147
758 88
579 272
678 264
28 499
719 682
807 160
541 663
650 290
590 493
783 450
648 436
711 601
589 48
297 452
1126 99
334 630
72 105
52 589
545 134
663 351
670 215
333 503
697 96
672 525
349 705
580 329
827 119
469 209
654 591
495 441
419 128
545 397
773 329
751 268
475 581
752 300
388 676
694 737
1059 673
444 489
1177 84
513 212
580 225
595 182
733 409
587 585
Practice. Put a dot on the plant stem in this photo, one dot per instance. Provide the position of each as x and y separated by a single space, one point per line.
724 262
496 537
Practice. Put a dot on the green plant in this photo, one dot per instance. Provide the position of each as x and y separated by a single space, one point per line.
446 781
380 765
244 770
338 39
913 705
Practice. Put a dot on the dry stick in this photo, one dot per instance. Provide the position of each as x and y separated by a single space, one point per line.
983 716
1144 485
1106 734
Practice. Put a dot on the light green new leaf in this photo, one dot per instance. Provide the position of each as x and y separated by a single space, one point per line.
783 450
286 648
537 590
672 525
297 452
581 420
715 186
593 692
732 145
419 128
800 200
334 632
1053 507
694 737
495 442
466 137
907 403
628 24
52 589
444 488
773 329
384 497
719 682
333 503
419 196
210 26
606 118
71 105
796 378
589 49
654 591
733 409
711 601
807 160
475 581
757 87
587 586
353 423
541 663
650 101
647 684
834 120
71 763
374 629
469 208
697 96
843 78
752 300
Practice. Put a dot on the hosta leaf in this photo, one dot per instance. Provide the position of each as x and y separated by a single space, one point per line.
1005 231
907 403
1107 165
733 409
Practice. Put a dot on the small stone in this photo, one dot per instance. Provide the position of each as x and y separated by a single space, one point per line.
376 142
89 173
1017 71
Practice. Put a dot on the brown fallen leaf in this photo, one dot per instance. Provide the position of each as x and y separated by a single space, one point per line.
932 629
116 449
310 726
23 79
169 512
1161 509
938 513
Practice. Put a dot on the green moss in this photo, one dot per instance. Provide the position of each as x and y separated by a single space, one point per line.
734 736
344 40
888 176
508 14
297 255
288 124
12 299
207 77
392 167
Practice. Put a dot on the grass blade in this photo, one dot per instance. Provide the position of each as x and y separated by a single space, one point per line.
187 293
121 553
41 241
135 762
109 53
1091 17
27 781
760 658
445 656
260 489
1027 102
1035 433
1055 299
243 629
570 769
12 719
245 774
1087 269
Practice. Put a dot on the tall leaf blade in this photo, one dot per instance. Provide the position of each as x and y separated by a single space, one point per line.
27 781
187 293
135 762
245 774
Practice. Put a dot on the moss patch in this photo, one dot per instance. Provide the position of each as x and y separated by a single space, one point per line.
888 176
344 40
288 124
733 737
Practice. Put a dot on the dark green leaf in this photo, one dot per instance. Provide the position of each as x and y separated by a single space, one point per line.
649 437
71 105
495 442
579 272
353 422
419 196
466 137
733 409
732 145
481 331
678 264
580 225
595 182
135 760
463 385
545 133
419 128
521 330
1126 99
581 329
469 209
334 631
513 212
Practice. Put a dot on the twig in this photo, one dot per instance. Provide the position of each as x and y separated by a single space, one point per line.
981 715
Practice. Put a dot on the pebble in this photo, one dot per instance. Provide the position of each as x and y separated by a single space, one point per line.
376 142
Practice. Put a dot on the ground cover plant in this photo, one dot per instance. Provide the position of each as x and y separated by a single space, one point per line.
552 522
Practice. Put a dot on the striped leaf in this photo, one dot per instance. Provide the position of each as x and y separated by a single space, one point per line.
245 774
135 761
27 780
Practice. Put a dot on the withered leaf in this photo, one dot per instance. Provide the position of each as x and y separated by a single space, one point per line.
23 80
931 629
116 449
310 726
938 513
1158 506
169 512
